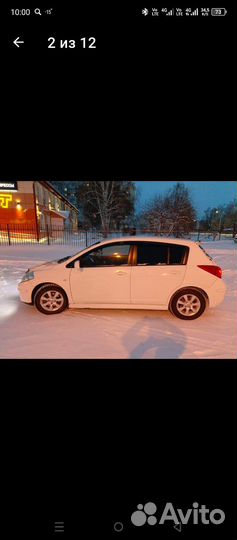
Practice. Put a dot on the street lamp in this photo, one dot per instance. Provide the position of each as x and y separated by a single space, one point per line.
197 223
219 227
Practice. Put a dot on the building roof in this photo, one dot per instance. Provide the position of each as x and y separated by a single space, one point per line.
51 188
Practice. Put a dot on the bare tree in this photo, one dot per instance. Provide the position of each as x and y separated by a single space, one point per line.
103 194
109 200
172 213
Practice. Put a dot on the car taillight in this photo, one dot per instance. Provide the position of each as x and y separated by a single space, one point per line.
215 270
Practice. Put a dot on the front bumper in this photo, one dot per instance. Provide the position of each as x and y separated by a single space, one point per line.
25 291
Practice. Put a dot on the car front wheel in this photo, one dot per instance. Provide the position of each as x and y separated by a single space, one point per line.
188 304
50 299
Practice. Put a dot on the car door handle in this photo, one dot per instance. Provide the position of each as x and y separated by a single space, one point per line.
120 273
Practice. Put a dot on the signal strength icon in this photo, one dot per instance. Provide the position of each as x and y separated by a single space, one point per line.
170 12
195 12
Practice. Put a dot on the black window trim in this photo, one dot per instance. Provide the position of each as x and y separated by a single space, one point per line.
132 258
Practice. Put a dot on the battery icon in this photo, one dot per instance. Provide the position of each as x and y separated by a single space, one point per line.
218 12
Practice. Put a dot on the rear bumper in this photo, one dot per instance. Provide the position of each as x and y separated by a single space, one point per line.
216 293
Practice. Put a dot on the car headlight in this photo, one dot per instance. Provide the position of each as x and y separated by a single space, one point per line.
27 276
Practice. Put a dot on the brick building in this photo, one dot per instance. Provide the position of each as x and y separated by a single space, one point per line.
35 205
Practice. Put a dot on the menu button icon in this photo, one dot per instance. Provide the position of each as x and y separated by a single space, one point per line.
59 526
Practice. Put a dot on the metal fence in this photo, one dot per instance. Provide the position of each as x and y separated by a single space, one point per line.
22 234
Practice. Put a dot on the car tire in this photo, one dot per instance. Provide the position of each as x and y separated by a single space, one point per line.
188 304
50 299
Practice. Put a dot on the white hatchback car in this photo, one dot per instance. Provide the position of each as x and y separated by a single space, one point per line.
132 273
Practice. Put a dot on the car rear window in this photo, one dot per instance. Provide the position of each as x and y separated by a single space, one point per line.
157 254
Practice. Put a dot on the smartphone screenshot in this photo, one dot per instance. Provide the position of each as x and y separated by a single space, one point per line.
118 239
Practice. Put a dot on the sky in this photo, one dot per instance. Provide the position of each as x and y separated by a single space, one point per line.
203 193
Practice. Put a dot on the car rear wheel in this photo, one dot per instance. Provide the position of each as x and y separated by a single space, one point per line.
50 299
188 304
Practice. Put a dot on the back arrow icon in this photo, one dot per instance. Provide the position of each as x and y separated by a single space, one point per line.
178 527
16 42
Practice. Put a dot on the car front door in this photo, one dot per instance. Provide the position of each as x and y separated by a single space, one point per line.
104 276
159 270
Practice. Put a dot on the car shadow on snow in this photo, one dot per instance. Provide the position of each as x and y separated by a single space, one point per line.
159 341
143 334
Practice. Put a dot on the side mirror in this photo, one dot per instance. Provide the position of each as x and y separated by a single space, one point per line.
77 265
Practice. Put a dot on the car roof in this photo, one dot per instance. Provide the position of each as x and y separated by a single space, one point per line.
162 239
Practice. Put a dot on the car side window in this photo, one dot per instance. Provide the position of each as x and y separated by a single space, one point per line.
111 255
152 254
177 254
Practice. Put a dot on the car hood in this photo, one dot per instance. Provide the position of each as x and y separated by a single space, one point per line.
44 266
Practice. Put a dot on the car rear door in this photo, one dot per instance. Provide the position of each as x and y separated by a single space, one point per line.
158 270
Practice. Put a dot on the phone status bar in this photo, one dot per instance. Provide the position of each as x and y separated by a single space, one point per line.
183 12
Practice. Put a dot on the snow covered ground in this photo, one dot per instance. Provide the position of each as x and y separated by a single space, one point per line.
26 333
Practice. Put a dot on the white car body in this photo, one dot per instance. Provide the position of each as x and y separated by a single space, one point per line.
128 286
